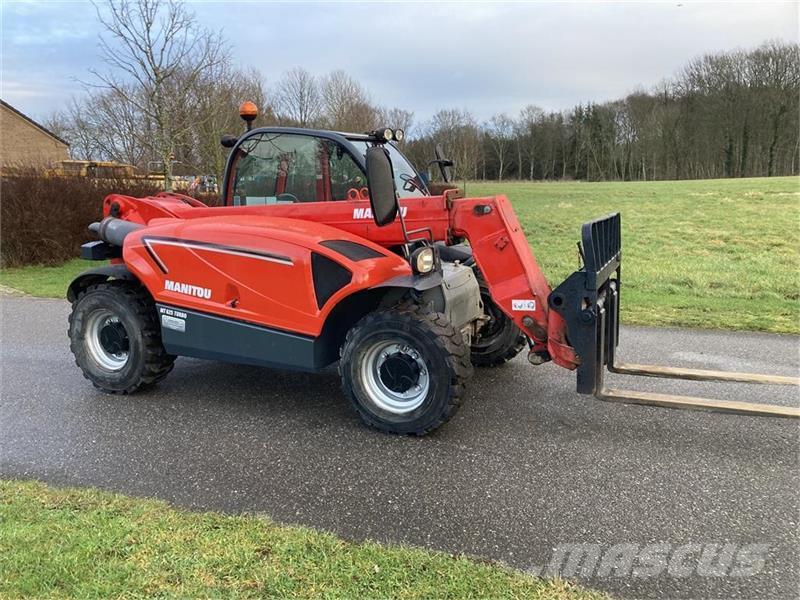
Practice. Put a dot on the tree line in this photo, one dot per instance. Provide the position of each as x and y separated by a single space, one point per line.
169 89
728 114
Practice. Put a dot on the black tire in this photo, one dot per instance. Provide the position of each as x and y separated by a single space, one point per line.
133 330
435 349
500 339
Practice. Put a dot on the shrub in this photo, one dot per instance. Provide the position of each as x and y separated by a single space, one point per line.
44 219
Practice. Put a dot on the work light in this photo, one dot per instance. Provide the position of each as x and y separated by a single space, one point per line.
423 260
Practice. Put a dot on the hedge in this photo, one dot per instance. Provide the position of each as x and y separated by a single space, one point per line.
44 219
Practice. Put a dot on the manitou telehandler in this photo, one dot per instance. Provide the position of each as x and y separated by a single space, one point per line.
330 247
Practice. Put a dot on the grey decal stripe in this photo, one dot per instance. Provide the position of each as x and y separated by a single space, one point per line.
150 242
154 256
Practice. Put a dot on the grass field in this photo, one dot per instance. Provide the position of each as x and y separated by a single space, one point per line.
57 543
715 254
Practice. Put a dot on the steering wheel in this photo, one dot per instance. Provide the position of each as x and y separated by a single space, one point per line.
286 197
409 184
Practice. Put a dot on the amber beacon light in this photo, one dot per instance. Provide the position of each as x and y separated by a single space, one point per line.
248 111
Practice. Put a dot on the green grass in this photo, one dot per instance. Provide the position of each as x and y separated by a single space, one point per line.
47 282
721 253
714 253
57 543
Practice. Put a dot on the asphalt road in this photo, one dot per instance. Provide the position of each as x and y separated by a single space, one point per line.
527 465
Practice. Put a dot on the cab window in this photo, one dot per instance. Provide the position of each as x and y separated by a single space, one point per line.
277 168
406 179
347 180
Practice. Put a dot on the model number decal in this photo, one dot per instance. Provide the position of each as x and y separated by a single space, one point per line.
366 213
523 305
173 323
185 288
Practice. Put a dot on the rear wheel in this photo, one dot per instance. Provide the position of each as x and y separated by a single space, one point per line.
116 339
500 339
404 369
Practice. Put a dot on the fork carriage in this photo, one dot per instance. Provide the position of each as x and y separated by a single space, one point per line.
588 300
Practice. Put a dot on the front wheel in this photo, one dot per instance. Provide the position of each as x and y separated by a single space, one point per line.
404 369
116 339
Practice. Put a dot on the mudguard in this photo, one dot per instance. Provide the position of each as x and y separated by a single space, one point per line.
97 275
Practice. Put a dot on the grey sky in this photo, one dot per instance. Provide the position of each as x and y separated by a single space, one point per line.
420 56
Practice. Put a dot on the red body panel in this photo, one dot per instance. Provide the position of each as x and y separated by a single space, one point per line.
237 283
353 216
252 268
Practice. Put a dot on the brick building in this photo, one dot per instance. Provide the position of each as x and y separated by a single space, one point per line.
26 143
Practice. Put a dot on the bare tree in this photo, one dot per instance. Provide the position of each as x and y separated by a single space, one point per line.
499 131
120 131
529 119
81 132
297 98
458 133
58 122
156 53
776 73
225 89
347 105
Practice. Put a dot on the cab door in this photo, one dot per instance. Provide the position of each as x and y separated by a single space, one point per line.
299 176
285 168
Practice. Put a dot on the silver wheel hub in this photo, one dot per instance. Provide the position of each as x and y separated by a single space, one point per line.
107 340
395 376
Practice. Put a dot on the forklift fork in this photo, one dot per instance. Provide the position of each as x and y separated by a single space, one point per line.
588 300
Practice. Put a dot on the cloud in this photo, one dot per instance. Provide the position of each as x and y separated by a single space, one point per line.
486 57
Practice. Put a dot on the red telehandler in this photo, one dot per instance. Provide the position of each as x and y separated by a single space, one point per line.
330 247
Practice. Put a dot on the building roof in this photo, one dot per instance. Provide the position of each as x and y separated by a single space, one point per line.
32 122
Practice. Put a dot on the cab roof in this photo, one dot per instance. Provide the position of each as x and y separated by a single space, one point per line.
324 133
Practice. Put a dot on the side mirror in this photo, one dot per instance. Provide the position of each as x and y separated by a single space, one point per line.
445 164
380 181
228 141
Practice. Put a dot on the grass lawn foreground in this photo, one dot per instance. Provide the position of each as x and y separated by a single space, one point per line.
57 543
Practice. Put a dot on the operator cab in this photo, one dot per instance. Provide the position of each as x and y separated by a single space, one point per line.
282 165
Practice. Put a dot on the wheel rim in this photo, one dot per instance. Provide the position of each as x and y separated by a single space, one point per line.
395 376
107 340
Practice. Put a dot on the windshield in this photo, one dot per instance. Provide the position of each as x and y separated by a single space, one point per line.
406 178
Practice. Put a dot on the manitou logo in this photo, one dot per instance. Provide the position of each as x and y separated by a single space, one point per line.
366 213
185 288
